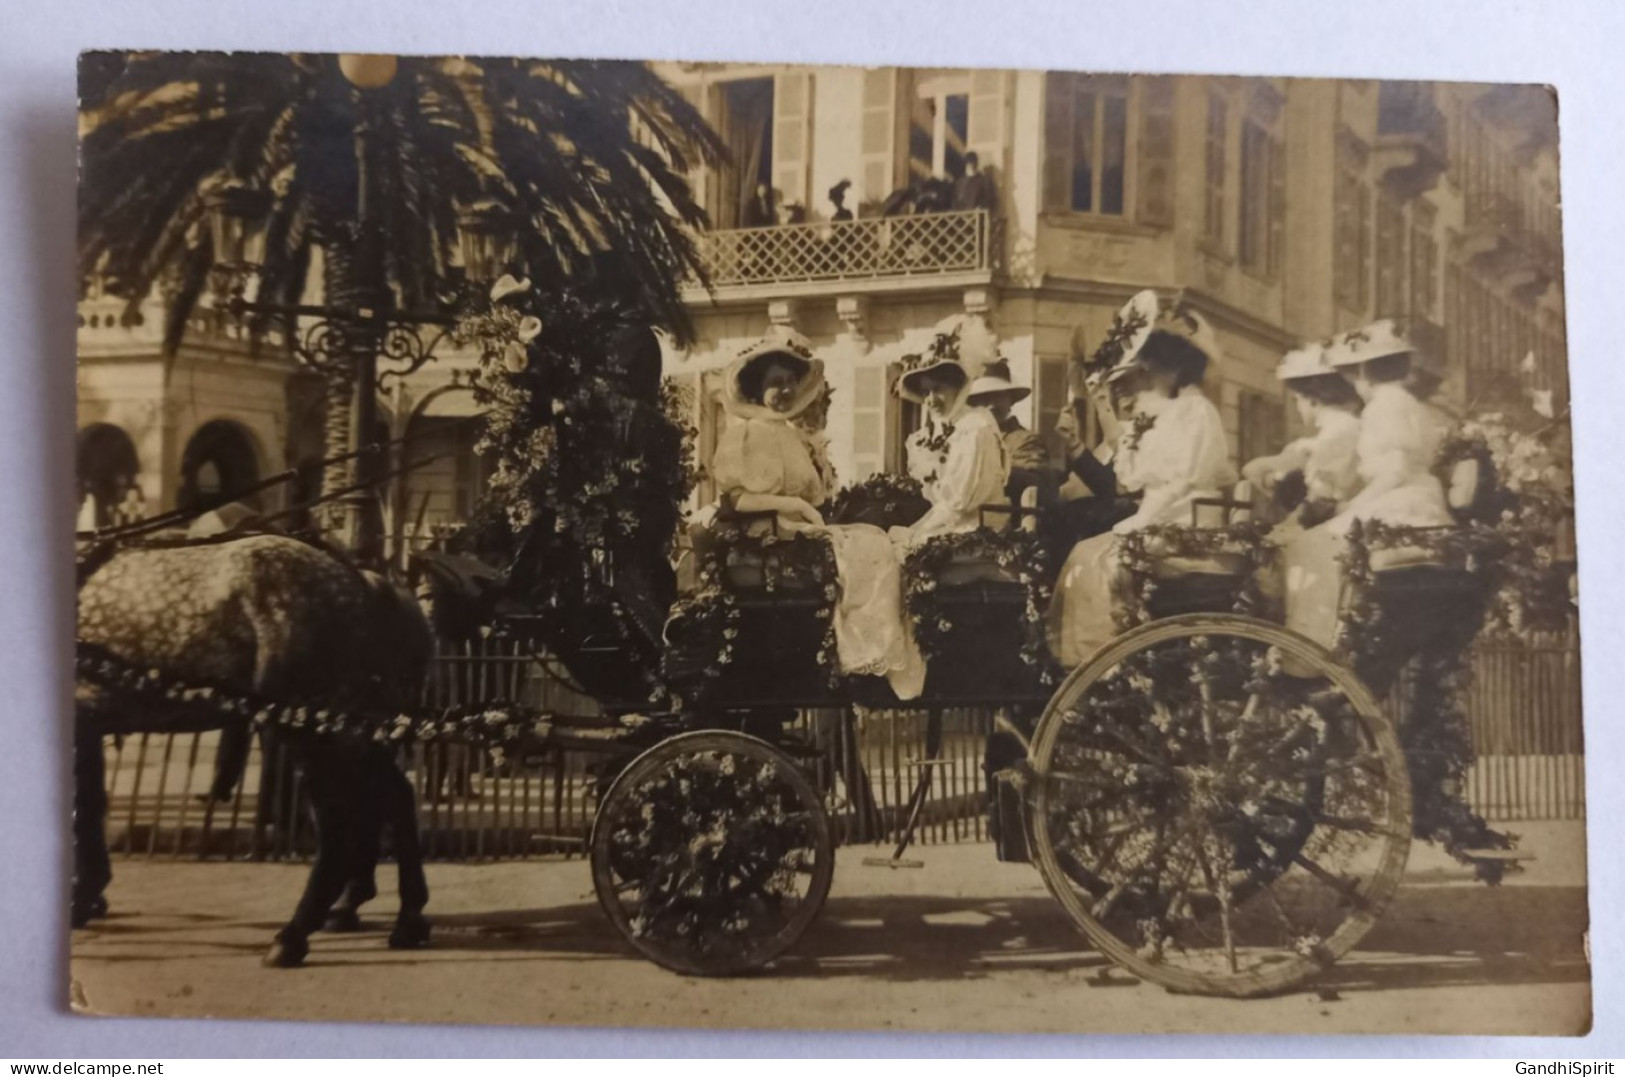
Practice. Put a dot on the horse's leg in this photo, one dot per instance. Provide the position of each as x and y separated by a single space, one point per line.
328 780
362 885
92 870
399 807
230 760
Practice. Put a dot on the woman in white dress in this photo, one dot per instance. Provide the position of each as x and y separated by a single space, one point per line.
958 455
767 461
1398 446
1173 453
1325 462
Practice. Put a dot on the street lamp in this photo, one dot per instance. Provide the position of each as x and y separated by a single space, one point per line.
234 209
368 70
486 238
343 342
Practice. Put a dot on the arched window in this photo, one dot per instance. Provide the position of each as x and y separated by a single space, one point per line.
108 468
219 462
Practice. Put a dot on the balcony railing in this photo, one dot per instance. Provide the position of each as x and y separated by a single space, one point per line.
1501 237
1411 144
921 245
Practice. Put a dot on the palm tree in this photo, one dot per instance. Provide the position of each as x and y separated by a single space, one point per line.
588 158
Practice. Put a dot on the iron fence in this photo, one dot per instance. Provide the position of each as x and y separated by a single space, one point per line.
1524 709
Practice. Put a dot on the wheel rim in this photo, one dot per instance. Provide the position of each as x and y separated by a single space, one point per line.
712 853
1220 806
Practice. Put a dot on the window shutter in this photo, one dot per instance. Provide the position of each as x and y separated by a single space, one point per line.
1155 196
870 404
1277 206
879 140
1058 86
699 176
986 123
792 135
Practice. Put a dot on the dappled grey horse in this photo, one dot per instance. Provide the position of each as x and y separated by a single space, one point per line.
276 618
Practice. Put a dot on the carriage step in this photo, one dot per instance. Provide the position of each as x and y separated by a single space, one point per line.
890 862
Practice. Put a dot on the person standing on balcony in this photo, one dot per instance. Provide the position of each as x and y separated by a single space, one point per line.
974 188
760 211
837 198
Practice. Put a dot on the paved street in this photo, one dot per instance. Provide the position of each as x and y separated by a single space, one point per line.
965 944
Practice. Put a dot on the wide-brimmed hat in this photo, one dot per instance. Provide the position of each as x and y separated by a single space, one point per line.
995 384
1143 317
1305 361
962 344
742 390
1378 340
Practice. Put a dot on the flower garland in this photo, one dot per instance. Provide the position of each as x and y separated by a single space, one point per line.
710 616
1528 506
1435 729
884 499
499 728
1021 554
578 449
592 457
1139 551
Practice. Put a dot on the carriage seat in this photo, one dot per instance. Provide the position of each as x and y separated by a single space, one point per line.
1207 514
1205 583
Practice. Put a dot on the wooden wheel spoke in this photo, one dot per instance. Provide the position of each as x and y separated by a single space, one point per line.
1349 888
1219 884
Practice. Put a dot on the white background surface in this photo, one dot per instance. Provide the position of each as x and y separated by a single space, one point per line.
1577 45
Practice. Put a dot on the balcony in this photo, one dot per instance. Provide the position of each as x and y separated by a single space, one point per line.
1499 240
875 254
1410 152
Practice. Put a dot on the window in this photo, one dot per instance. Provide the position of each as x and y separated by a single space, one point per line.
1262 205
939 126
1261 425
1099 146
1054 396
1424 262
1390 259
1352 209
1213 202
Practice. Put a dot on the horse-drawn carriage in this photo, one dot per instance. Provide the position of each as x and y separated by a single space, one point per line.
1219 804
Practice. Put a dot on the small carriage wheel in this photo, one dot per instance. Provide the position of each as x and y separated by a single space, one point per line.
712 853
1220 805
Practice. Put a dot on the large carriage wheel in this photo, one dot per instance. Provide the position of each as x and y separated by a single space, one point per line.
1219 805
712 853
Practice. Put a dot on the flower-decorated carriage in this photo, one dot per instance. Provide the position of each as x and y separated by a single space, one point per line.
1221 805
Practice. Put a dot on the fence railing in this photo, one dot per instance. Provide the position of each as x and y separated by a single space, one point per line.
1524 710
924 244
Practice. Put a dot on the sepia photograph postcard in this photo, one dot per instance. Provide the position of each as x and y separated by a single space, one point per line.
758 546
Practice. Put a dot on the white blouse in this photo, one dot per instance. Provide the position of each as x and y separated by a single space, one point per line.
968 472
1331 456
1184 455
1399 444
767 456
